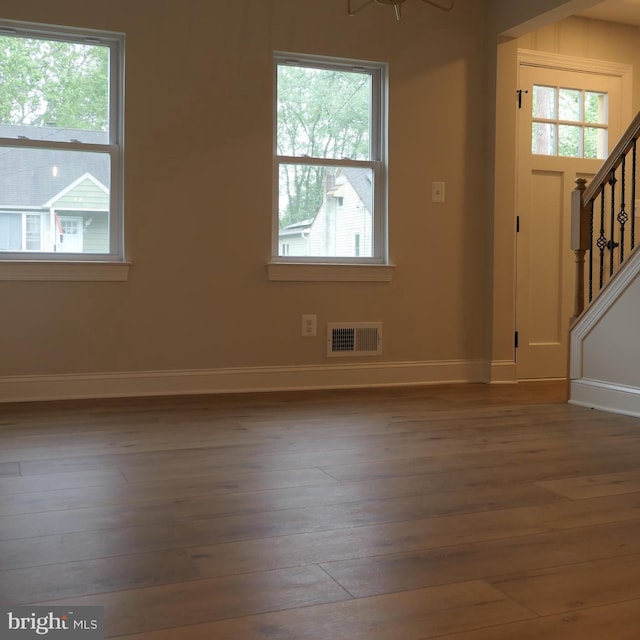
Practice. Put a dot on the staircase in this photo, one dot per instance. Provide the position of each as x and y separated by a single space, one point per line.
604 338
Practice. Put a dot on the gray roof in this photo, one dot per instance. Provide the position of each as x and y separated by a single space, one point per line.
27 176
297 227
360 180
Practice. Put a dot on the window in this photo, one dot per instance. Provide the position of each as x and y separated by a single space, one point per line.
60 144
69 227
569 122
33 232
330 160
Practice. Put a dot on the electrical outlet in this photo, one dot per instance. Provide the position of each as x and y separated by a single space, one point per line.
309 325
437 192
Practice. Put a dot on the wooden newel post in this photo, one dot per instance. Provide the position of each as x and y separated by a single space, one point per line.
579 241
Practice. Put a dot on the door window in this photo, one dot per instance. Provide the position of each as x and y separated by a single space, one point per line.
569 122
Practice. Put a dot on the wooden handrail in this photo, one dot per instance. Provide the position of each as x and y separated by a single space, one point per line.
614 159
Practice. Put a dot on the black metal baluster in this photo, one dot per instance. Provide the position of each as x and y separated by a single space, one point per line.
591 251
633 196
612 244
601 243
623 216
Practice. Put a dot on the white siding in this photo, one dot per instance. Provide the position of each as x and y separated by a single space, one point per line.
297 245
334 230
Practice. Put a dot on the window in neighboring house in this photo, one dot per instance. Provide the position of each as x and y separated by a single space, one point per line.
70 227
20 231
330 153
285 249
569 122
356 248
33 232
60 139
11 231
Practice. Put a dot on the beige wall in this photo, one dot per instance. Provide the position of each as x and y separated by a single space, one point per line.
510 18
590 39
198 177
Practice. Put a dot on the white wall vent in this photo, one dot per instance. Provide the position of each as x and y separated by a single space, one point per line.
354 339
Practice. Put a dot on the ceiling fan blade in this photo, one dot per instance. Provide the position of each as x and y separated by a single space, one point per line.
353 12
452 3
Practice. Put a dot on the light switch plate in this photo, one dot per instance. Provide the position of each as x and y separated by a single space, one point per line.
437 192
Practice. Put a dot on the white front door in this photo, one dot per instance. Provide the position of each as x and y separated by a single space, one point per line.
72 234
568 123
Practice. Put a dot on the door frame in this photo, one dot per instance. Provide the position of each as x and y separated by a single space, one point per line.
571 64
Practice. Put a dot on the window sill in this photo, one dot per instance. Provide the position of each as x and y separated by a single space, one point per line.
330 272
36 270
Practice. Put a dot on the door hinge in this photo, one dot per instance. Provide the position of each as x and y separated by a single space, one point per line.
517 224
515 339
520 92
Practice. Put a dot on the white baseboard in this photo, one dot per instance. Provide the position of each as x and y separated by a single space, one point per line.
605 396
237 380
501 372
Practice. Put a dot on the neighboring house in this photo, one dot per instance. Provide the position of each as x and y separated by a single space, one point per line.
51 200
342 225
294 238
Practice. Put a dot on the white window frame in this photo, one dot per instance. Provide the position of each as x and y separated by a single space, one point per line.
25 229
377 163
10 268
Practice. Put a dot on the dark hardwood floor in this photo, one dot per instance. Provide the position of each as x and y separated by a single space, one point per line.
464 512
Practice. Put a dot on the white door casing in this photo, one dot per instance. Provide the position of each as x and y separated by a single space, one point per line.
545 263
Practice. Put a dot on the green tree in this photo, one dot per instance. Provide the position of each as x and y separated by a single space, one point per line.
569 142
48 81
322 113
